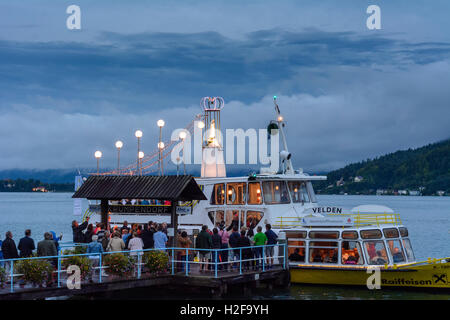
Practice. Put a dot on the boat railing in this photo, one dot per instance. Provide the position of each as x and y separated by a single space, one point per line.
359 219
180 261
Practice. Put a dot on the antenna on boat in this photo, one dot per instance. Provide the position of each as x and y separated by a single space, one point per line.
285 155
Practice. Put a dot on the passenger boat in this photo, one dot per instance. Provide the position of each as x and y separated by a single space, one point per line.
326 245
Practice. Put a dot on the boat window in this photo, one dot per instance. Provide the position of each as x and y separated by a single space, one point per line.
349 235
376 252
254 193
312 195
408 249
216 217
218 194
371 234
298 191
324 234
275 192
220 215
236 193
351 253
211 216
323 252
253 218
390 233
296 250
403 231
296 234
395 248
234 218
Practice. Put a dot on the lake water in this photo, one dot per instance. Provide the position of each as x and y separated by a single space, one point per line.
427 219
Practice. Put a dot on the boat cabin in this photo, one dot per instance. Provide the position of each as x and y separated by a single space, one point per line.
349 247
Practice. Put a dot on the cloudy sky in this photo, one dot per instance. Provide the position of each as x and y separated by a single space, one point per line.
348 93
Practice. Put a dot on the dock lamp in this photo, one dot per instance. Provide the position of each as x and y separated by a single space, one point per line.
183 135
119 145
138 135
98 155
160 124
201 125
160 147
140 156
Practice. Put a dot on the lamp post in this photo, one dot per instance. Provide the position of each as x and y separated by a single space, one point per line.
161 147
138 135
119 145
201 125
140 156
160 124
98 155
183 137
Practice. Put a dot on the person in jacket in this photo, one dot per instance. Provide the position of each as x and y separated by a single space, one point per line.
204 241
26 245
260 239
147 237
78 236
232 242
47 248
9 249
272 239
160 239
95 248
246 253
105 240
185 243
135 244
216 244
116 243
225 237
89 233
56 240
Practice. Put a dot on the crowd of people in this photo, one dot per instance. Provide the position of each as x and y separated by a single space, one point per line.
100 238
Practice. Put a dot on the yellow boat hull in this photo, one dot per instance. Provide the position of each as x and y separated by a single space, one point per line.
433 275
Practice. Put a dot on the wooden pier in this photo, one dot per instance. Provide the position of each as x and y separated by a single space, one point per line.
192 283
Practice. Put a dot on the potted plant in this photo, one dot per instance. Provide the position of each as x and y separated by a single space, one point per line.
35 271
119 264
156 261
2 277
82 262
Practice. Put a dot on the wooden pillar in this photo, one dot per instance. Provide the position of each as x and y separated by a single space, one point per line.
104 207
174 221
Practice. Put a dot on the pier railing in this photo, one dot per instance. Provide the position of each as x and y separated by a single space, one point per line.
181 261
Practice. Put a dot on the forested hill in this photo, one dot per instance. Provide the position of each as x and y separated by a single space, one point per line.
425 169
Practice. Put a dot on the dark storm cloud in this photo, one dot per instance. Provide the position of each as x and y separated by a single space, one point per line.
348 96
131 71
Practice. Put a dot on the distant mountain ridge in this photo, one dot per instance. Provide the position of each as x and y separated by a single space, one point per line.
425 169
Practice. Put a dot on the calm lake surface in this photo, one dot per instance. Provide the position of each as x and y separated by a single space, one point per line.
427 219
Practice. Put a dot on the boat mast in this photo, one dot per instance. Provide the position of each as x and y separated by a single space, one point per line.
285 155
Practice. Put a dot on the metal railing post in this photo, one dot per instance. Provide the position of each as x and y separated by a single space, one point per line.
139 265
173 270
11 265
264 258
187 262
284 255
215 263
240 260
100 268
59 271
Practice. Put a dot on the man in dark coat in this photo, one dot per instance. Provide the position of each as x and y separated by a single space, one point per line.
204 241
26 245
78 236
9 248
147 237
